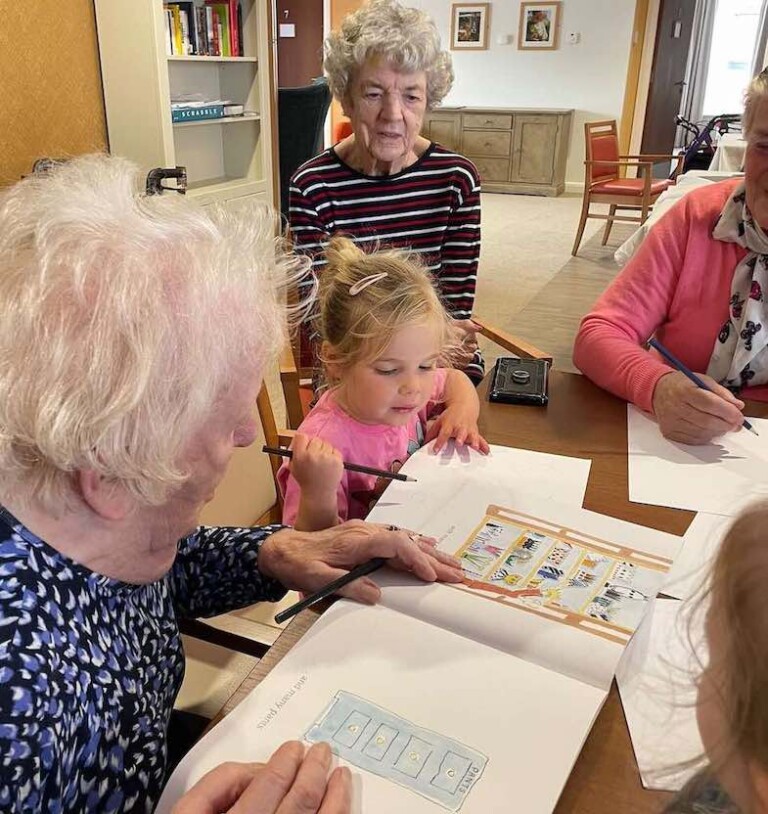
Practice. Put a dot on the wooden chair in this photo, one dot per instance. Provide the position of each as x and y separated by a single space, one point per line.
604 183
247 496
297 381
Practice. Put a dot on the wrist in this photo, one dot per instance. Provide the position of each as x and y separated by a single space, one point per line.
273 552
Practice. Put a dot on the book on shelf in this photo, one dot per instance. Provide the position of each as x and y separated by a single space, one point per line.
464 695
185 110
212 29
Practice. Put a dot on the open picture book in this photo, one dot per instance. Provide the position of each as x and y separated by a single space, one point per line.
457 697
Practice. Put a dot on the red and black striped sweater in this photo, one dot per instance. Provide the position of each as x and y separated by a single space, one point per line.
431 207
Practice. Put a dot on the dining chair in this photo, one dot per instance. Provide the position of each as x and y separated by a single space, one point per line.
247 496
605 183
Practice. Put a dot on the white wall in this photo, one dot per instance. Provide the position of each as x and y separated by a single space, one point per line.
588 77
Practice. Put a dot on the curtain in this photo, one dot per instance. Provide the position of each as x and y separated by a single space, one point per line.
698 59
758 58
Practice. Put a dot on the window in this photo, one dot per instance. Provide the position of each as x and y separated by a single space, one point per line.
731 55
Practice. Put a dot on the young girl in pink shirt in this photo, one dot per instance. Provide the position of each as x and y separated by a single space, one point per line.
385 340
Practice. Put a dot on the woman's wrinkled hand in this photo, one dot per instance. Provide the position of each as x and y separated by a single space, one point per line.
293 781
307 561
467 331
689 415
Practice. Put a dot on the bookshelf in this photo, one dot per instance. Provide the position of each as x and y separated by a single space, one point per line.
227 158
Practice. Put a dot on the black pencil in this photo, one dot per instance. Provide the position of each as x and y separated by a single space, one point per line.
331 588
366 470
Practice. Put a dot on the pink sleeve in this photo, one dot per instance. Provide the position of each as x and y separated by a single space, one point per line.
608 346
292 494
436 399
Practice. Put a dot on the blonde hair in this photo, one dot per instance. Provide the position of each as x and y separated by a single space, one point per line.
405 37
755 92
738 601
125 319
359 326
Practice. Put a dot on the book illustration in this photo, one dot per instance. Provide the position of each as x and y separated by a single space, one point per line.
598 586
381 742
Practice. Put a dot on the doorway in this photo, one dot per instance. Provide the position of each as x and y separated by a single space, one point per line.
299 42
668 79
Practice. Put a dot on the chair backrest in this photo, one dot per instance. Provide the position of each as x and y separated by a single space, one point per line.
301 116
247 495
602 143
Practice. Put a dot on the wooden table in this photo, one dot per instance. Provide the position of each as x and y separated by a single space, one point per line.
584 422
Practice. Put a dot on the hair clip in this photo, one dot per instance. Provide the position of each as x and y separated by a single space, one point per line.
360 285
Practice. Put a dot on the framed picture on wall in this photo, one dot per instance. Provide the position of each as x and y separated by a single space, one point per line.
539 25
469 26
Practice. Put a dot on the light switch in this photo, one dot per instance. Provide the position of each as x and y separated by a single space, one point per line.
574 38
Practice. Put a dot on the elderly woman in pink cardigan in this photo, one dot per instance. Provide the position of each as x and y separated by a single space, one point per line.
698 284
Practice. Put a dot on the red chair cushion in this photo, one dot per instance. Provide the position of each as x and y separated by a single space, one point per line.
629 186
341 130
604 148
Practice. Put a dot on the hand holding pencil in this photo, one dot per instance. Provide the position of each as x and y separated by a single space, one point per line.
689 412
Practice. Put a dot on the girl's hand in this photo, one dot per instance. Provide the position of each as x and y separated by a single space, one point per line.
457 421
317 466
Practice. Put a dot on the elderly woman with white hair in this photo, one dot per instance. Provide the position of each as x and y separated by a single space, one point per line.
134 336
386 183
698 284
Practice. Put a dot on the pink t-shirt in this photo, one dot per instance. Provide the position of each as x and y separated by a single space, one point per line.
678 287
378 445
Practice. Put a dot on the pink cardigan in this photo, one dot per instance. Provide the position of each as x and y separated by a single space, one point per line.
677 287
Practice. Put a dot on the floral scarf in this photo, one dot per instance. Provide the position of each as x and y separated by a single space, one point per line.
739 357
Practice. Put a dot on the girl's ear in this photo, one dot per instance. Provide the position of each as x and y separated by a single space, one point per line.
332 362
759 777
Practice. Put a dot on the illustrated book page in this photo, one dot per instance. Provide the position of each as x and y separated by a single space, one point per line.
427 720
557 585
721 477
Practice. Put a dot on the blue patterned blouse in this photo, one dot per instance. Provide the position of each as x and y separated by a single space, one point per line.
90 666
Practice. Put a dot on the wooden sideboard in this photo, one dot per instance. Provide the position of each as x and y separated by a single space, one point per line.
516 150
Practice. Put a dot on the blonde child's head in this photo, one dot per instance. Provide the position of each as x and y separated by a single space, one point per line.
366 299
732 706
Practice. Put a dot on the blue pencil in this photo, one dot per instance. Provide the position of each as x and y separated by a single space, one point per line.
676 363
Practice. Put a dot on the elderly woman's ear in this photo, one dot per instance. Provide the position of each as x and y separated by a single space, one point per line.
105 497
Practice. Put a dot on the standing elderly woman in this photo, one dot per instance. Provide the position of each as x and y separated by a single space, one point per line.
699 284
134 335
385 183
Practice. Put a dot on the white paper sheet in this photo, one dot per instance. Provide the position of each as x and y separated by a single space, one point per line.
721 477
522 473
657 684
548 644
700 545
529 722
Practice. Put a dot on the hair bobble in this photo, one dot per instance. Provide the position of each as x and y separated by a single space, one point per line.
361 285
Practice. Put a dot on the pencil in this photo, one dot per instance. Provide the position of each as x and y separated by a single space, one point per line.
366 470
331 588
676 363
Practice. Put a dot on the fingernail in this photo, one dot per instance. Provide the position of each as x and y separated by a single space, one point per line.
323 751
